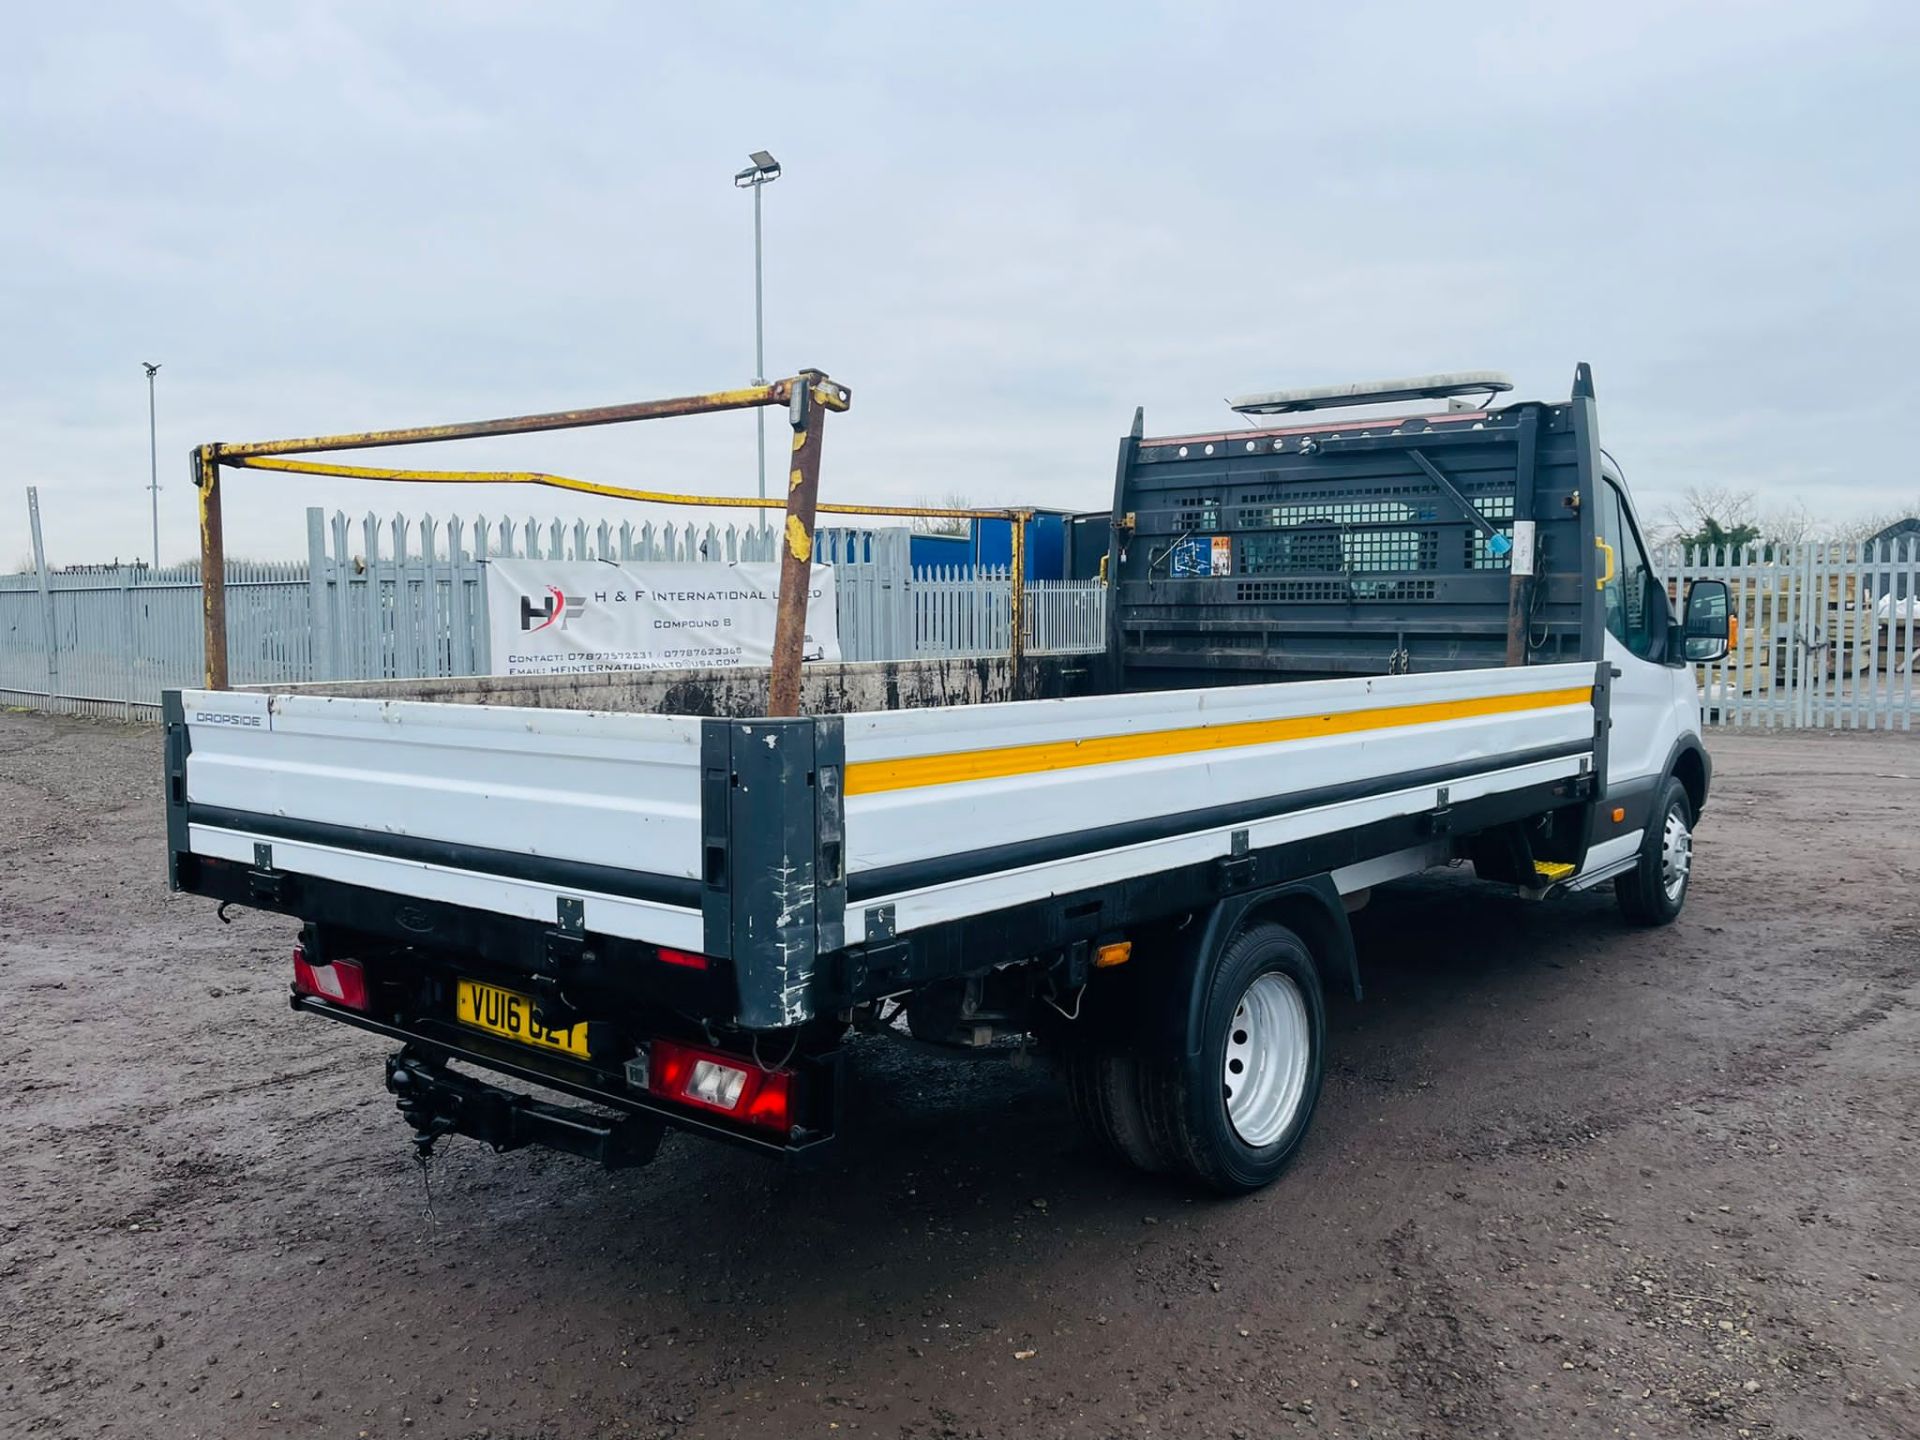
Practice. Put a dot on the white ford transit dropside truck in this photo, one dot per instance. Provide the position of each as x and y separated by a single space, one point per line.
1339 652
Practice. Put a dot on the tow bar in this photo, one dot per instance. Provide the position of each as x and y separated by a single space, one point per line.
435 1102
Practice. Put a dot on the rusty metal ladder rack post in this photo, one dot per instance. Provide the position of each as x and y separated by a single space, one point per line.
808 396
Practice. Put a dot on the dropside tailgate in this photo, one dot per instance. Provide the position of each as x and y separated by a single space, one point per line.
505 811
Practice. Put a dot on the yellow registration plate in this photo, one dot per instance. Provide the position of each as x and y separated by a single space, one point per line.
505 1013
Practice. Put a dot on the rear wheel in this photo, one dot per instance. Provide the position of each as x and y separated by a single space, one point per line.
1233 1114
1104 1093
1653 892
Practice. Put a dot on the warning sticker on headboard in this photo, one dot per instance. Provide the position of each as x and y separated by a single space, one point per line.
1198 556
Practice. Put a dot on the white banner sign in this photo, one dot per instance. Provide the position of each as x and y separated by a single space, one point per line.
568 617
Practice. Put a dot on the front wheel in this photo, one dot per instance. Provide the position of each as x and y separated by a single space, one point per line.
1654 890
1233 1114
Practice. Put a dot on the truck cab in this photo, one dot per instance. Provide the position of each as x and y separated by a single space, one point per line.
1331 540
1655 740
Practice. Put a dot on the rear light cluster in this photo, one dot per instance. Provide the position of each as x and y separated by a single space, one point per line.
343 982
724 1084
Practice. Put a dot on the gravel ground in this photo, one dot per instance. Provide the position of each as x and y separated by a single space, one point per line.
1568 1178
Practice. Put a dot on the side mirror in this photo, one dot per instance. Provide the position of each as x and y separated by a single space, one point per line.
1706 627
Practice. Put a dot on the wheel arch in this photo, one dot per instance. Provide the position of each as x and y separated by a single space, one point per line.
1691 767
1314 911
1311 908
1156 1003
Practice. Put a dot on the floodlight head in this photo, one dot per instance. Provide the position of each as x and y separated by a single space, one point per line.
152 368
763 170
1374 392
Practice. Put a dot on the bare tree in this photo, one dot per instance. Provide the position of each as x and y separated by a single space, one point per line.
943 524
1705 507
1729 516
1710 515
1865 527
1792 524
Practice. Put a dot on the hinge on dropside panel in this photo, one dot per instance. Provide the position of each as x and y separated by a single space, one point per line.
263 881
565 955
567 945
1238 868
1440 818
866 969
879 923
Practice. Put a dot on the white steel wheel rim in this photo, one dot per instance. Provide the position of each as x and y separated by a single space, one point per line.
1264 1074
1676 854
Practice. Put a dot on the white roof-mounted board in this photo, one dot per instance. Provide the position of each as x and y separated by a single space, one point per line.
1374 392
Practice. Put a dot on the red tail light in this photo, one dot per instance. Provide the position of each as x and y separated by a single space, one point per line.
725 1084
343 982
686 959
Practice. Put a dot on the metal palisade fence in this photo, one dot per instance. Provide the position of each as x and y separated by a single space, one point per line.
1824 633
107 641
391 598
403 599
960 613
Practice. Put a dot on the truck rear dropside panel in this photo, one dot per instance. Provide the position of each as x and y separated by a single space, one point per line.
492 809
956 812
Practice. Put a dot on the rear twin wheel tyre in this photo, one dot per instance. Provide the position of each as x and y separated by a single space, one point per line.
1232 1115
1104 1093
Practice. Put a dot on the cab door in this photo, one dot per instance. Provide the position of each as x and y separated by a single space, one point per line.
1652 701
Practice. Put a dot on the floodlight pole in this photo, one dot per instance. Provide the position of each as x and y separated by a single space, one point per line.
759 340
153 461
762 169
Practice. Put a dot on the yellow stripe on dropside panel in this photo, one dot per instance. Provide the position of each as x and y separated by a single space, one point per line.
871 777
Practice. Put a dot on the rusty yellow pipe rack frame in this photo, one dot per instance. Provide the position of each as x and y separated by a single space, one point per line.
808 397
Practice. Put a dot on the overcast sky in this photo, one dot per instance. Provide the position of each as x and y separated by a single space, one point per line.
1004 227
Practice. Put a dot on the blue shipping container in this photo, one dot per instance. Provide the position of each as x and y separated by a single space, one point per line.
990 546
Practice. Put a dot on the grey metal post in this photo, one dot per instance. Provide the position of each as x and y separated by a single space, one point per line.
322 658
128 650
153 461
759 341
46 596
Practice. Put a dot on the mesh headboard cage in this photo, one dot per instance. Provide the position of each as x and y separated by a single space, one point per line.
1345 548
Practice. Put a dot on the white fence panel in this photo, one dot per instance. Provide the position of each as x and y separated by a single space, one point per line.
1066 616
960 612
1825 633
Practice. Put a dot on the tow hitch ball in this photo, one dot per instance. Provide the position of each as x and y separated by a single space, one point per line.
408 1077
